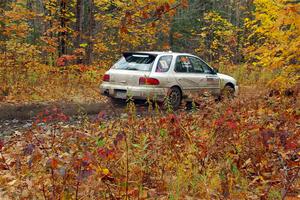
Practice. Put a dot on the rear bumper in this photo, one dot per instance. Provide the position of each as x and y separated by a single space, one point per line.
136 92
236 90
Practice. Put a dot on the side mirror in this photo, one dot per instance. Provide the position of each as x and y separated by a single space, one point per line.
216 70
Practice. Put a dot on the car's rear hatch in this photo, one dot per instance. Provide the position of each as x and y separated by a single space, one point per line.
131 67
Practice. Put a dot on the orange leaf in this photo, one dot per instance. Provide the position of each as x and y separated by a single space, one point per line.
185 3
145 15
53 163
124 30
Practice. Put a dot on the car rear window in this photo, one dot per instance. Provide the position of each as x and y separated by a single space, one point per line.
138 62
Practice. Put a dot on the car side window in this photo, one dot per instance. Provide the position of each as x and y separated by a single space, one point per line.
164 63
183 64
197 65
206 68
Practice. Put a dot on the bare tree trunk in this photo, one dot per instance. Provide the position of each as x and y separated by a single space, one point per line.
3 5
78 26
63 33
237 18
171 38
90 30
45 27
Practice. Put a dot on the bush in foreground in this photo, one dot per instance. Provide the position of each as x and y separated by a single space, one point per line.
246 148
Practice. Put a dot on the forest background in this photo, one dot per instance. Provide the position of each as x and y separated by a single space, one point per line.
59 50
242 148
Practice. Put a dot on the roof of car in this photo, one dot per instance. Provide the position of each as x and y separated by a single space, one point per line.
159 52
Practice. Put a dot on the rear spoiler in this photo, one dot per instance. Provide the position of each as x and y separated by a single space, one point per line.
128 54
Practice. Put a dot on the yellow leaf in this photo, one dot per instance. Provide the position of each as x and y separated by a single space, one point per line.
11 183
105 171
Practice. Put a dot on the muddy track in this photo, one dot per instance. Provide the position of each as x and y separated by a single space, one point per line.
17 117
28 111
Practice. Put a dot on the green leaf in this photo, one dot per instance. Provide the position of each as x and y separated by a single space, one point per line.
100 142
298 112
163 133
83 45
102 126
136 145
234 169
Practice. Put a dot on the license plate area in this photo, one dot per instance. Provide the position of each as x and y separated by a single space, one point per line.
121 94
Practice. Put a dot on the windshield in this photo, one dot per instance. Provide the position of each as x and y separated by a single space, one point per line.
139 62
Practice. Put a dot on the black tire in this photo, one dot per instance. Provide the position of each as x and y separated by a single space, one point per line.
228 92
175 97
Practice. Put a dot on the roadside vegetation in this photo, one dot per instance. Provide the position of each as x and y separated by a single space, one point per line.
245 148
242 148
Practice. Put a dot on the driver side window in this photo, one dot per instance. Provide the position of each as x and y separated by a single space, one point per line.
200 66
197 65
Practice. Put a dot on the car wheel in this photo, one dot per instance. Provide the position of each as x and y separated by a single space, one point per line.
175 97
228 92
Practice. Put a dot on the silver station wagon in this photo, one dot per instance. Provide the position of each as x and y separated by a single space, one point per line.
157 75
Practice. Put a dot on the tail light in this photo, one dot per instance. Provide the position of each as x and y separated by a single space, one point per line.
148 81
106 78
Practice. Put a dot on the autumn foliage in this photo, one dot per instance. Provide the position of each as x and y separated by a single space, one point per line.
273 43
247 148
242 148
259 38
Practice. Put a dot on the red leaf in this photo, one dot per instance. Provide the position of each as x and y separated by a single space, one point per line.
232 124
44 120
291 145
1 144
53 163
167 7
